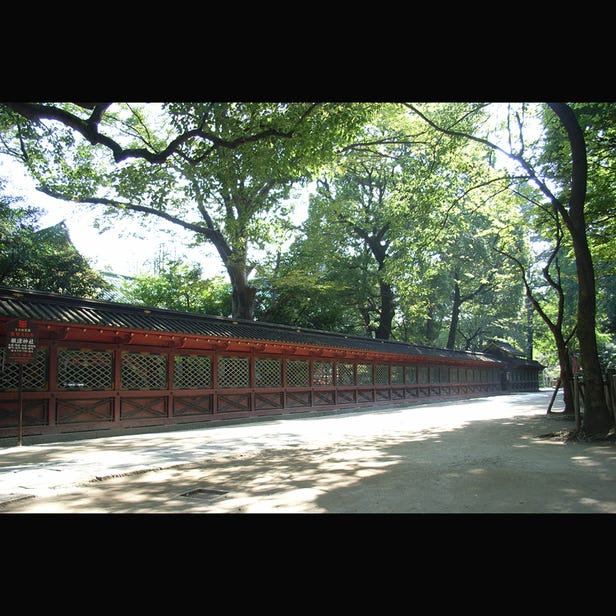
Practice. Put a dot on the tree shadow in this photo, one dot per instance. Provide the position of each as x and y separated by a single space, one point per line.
498 465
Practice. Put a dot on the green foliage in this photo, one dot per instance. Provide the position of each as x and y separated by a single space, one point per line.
222 170
297 294
42 259
405 212
455 289
607 351
598 121
179 286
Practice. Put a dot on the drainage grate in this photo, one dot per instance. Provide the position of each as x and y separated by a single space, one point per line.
206 493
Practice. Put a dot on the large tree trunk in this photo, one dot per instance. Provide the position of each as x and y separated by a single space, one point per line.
430 326
243 297
566 376
597 418
529 330
455 316
387 311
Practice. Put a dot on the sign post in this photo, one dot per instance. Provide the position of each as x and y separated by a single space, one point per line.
21 345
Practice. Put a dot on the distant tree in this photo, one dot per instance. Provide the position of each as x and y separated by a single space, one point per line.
180 286
547 282
42 259
353 206
304 287
17 228
565 190
399 228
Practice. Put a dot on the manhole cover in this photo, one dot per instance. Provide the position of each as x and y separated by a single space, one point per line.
206 493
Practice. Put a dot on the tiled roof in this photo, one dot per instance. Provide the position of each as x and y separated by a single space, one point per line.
55 308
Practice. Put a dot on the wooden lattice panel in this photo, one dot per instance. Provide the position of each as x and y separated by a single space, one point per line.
345 374
382 375
268 373
144 371
298 373
34 374
364 374
85 369
397 375
233 372
323 373
192 372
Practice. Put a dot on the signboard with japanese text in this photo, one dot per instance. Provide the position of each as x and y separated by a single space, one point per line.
21 341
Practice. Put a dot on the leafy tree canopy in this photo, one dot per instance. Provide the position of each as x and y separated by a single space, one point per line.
42 259
180 286
220 170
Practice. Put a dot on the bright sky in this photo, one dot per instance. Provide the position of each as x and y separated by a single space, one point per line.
127 251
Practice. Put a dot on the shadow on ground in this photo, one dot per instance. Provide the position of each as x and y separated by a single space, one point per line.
480 466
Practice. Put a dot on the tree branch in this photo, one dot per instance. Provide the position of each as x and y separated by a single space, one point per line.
89 129
515 157
197 228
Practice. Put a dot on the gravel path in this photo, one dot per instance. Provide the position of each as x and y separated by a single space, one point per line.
499 454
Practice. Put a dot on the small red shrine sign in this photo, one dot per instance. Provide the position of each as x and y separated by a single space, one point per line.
21 340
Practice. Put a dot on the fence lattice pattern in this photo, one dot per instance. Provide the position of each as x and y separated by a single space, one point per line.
382 375
87 370
397 375
298 373
345 374
233 372
144 371
192 372
34 374
268 373
364 374
323 373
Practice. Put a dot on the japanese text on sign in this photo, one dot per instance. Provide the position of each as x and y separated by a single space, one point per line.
21 340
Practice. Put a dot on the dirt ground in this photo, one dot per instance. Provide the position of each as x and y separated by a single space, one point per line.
500 454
